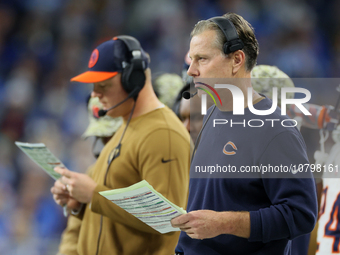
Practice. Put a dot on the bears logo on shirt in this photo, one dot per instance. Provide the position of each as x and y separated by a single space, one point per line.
229 148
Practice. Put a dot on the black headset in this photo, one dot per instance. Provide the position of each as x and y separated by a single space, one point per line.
233 42
133 76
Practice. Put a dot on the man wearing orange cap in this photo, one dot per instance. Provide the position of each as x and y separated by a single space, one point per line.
151 145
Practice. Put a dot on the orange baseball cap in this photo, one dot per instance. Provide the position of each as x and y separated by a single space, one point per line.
106 61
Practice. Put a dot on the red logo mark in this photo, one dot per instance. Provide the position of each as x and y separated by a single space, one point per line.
95 110
94 58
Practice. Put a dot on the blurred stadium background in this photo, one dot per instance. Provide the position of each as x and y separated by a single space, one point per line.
43 43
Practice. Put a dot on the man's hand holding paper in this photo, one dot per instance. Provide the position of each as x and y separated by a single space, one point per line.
79 186
62 197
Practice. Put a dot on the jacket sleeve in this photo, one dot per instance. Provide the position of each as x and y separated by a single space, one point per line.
163 160
293 196
69 238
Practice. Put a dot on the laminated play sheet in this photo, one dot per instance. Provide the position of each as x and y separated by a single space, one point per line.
148 205
42 156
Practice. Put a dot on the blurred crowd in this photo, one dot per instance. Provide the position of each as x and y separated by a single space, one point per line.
43 43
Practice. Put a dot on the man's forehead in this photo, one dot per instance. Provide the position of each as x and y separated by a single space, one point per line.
202 43
105 82
101 83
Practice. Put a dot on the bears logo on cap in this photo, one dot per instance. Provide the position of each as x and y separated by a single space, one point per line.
94 58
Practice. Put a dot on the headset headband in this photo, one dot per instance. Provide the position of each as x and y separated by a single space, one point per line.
233 43
133 76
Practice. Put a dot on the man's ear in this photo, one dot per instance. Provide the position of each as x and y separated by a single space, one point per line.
239 60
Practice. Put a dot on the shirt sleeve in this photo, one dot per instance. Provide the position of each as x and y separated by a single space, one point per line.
293 209
69 238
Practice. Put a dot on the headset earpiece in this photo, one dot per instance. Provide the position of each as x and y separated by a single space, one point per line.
133 76
233 42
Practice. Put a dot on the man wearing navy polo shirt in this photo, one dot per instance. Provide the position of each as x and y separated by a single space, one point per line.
242 213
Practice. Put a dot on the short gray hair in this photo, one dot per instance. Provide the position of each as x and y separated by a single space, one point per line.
244 30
